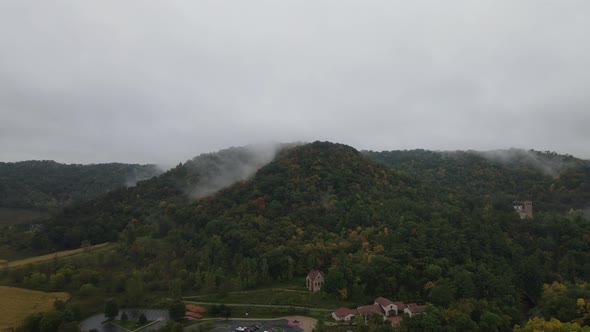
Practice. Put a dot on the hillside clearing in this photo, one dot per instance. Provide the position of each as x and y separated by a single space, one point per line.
12 216
18 303
54 255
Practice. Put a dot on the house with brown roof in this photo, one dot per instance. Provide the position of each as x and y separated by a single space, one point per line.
414 309
315 280
344 314
389 308
368 310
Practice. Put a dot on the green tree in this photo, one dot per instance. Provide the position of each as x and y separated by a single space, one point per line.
361 326
69 327
553 325
320 326
87 290
177 310
111 309
225 311
441 294
490 322
56 281
31 323
59 305
51 321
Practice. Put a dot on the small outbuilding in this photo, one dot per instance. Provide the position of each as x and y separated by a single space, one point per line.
315 280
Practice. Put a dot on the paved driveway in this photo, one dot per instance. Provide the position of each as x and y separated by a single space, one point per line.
264 325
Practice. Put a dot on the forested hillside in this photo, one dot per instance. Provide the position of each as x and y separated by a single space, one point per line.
554 182
45 185
102 219
427 228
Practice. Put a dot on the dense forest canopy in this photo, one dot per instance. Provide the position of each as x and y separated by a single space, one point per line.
46 185
554 182
415 226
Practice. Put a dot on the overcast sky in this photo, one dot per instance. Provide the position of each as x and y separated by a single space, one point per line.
163 81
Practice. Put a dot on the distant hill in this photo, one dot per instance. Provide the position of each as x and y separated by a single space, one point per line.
46 185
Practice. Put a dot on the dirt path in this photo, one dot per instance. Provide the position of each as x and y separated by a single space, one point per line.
55 255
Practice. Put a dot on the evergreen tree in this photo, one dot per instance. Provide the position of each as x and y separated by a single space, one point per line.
111 309
177 310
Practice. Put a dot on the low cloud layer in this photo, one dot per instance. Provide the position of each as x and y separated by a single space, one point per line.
548 163
161 82
216 171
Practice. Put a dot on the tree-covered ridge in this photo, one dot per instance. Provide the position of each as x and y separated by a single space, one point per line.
554 182
399 232
101 220
45 185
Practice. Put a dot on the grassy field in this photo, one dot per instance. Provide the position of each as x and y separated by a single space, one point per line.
258 312
10 216
18 303
44 258
276 296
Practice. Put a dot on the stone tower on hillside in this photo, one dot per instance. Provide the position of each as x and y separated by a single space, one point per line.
524 209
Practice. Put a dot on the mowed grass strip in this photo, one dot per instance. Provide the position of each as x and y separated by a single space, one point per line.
276 296
47 257
18 303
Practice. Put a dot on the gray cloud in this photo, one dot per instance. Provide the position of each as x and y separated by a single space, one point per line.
551 165
219 170
153 81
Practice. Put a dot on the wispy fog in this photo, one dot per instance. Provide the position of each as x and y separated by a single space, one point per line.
218 170
549 163
144 173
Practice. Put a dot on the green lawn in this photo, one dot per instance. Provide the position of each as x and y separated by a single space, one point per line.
131 325
261 312
290 297
202 326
